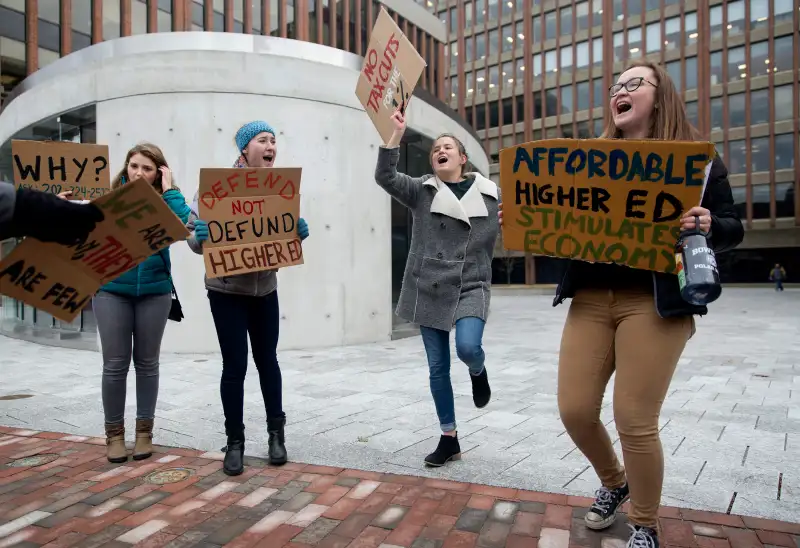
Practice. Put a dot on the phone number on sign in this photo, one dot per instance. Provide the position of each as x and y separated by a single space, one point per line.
88 192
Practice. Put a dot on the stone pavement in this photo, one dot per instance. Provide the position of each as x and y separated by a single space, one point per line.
58 490
730 425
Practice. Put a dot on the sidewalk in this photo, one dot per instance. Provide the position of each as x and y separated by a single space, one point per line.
58 490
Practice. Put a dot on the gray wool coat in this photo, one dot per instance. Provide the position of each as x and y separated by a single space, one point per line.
449 268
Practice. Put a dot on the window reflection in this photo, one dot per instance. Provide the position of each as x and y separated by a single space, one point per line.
783 11
582 54
480 81
784 198
735 17
691 73
582 90
566 99
653 37
634 42
550 25
737 66
582 15
691 112
760 198
674 71
480 46
759 106
566 60
491 47
536 29
454 54
537 64
736 107
507 75
715 22
716 113
759 14
566 21
784 51
508 38
599 93
598 127
597 51
738 156
520 71
784 151
550 61
619 47
690 28
494 77
783 103
759 59
672 33
716 68
759 154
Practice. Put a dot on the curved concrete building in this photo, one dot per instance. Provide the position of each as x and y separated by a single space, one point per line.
189 92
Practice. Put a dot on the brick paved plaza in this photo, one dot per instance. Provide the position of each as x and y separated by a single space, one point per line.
730 429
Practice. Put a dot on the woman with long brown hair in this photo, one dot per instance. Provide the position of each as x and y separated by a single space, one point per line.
633 322
132 314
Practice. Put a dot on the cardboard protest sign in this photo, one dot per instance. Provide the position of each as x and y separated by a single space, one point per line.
61 280
392 68
252 219
59 166
601 200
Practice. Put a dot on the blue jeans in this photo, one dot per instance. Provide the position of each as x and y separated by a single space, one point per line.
469 336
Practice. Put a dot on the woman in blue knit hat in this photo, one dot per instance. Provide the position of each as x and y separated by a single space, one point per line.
247 304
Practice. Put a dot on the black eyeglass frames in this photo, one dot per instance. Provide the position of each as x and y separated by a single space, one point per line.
631 85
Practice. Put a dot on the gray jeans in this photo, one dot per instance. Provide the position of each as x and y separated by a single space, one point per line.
130 326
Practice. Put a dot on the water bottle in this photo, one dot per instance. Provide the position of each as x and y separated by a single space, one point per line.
698 276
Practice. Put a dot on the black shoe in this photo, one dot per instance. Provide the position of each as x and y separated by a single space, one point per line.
233 464
481 393
277 441
642 537
603 511
447 450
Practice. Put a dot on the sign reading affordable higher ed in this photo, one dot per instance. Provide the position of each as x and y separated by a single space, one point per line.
601 200
252 219
392 68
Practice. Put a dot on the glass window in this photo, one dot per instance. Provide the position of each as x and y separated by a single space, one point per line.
566 99
550 25
582 90
759 106
519 72
736 113
507 75
735 17
635 42
761 196
716 68
783 11
691 112
716 113
783 54
597 13
619 9
566 21
690 24
508 6
468 14
491 48
759 13
784 151
480 11
691 73
508 38
619 45
480 86
454 86
566 60
582 15
738 157
491 10
469 81
672 33
784 199
597 51
582 54
759 154
652 5
494 77
551 61
737 66
480 46
783 103
598 127
453 54
537 64
453 21
715 22
536 29
759 59
674 71
653 37
599 92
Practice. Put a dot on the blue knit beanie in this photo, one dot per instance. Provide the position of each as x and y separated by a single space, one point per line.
250 130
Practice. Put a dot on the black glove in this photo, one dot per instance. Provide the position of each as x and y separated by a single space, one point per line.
48 218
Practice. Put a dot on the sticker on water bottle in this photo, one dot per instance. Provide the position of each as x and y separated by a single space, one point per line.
679 270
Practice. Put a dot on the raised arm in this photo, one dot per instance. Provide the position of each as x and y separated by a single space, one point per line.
399 185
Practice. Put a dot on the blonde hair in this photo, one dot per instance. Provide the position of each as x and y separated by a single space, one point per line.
669 121
148 150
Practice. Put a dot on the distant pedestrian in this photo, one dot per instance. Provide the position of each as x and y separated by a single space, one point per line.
132 313
633 323
448 275
245 304
777 275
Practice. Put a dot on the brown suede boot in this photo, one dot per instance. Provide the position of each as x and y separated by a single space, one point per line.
115 443
144 439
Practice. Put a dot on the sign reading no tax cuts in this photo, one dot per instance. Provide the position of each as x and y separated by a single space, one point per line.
252 219
601 200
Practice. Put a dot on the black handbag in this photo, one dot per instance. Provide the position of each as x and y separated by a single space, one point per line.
175 310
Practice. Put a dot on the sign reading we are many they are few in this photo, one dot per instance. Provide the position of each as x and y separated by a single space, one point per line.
252 216
602 200
392 68
61 166
61 280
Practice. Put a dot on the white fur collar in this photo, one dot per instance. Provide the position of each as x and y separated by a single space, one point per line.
470 205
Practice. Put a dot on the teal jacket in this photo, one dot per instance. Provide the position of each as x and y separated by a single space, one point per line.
152 276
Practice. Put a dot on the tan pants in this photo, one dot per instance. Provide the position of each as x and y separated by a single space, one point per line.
620 331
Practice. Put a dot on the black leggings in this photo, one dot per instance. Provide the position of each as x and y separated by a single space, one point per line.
234 317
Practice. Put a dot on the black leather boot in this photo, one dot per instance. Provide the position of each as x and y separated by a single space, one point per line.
448 450
277 447
481 392
233 464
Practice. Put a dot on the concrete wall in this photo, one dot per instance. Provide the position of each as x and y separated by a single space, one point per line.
189 94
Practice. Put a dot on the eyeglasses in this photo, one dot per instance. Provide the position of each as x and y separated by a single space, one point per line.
631 85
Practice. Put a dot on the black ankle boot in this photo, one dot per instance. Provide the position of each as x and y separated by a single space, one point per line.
233 464
277 447
447 450
481 393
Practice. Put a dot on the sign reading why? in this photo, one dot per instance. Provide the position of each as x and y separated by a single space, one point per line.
61 280
252 219
392 68
60 166
601 200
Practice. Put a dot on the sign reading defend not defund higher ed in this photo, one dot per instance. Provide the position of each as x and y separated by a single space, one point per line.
601 200
392 68
252 219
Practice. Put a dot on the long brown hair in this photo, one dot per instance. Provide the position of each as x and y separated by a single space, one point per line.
669 121
462 150
153 153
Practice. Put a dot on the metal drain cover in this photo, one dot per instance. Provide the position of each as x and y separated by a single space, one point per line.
35 460
170 475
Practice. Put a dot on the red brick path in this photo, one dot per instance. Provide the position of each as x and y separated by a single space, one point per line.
79 499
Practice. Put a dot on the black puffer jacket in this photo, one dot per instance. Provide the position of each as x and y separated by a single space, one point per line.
726 233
